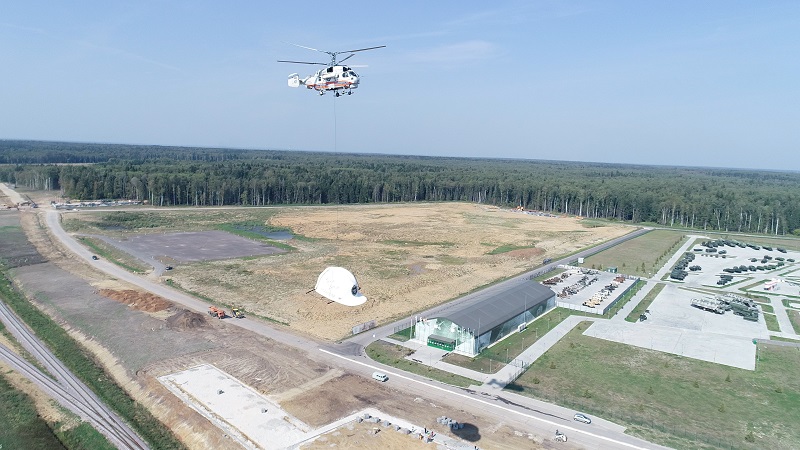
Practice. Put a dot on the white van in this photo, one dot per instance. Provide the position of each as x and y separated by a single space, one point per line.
379 376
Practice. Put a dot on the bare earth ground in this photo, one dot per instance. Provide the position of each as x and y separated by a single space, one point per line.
406 258
107 315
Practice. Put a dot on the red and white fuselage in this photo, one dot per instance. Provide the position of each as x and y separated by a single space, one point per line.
333 78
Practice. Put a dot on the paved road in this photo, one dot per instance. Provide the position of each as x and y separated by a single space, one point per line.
538 417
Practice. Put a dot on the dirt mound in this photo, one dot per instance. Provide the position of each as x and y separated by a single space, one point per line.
143 301
185 320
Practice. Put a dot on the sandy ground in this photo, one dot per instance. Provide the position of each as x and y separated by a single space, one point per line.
406 257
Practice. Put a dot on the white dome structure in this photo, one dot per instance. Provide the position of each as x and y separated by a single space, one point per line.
339 285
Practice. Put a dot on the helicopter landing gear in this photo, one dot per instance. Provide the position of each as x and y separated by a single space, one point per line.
337 93
321 92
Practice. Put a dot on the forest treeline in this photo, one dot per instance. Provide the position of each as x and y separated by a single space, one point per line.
704 198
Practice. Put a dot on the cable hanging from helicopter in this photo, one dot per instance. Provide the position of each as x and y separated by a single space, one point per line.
335 76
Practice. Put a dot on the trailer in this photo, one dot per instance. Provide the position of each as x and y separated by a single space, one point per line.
214 311
708 305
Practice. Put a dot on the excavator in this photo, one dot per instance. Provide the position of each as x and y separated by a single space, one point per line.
237 312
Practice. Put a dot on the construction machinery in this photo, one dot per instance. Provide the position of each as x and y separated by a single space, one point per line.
214 311
237 312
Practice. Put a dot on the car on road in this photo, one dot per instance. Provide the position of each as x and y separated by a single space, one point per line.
168 268
380 376
94 257
581 418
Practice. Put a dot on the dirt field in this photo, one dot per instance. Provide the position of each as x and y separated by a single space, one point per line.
406 258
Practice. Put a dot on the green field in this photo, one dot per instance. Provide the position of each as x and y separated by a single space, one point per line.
772 322
21 425
794 317
640 256
121 222
672 400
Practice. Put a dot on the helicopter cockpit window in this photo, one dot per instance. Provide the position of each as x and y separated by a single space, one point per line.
330 69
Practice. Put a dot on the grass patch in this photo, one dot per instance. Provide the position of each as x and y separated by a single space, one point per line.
766 308
508 248
22 427
82 437
403 335
645 303
113 255
592 223
394 355
789 304
785 339
642 255
772 322
794 318
164 220
257 231
81 362
669 399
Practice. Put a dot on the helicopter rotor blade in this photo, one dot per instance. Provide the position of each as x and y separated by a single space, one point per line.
308 48
303 62
348 57
361 49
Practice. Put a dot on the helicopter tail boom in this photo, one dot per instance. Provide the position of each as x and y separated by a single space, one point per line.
296 81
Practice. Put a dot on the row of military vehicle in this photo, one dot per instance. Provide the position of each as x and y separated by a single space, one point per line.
752 268
767 258
679 270
731 243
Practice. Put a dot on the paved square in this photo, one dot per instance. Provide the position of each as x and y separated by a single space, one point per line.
717 348
196 246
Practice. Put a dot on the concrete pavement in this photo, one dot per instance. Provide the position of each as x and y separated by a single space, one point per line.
782 316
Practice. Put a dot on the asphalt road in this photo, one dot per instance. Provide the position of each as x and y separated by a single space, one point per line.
535 416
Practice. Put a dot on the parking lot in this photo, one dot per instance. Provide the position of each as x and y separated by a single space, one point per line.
578 288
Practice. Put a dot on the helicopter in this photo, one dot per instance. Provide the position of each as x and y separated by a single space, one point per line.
335 77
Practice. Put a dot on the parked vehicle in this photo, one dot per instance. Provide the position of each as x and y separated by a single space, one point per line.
581 418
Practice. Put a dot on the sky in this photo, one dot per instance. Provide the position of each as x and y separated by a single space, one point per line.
709 83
